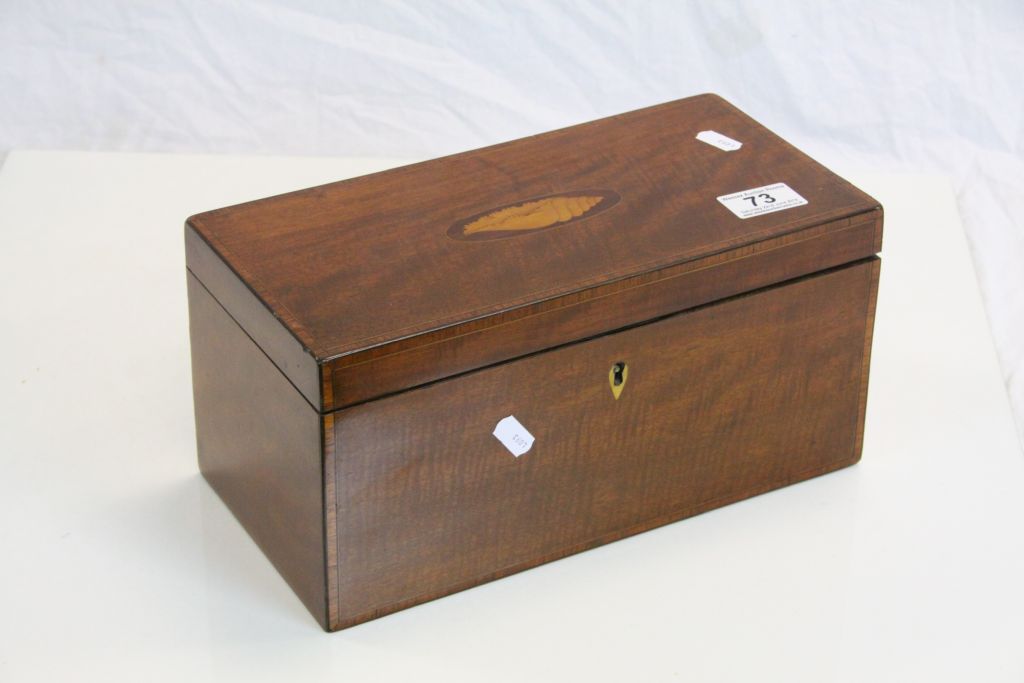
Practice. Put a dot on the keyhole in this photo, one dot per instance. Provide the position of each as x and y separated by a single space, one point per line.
617 377
617 374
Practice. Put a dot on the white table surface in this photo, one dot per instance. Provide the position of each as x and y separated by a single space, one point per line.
117 562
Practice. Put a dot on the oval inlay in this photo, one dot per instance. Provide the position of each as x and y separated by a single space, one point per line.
532 215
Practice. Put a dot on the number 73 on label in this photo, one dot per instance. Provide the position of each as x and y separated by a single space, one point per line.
758 201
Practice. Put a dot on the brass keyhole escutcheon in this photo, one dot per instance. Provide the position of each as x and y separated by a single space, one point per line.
617 377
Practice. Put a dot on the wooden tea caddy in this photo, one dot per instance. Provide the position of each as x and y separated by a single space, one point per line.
416 381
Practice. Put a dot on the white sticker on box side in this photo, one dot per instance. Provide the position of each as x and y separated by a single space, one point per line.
761 200
718 140
513 435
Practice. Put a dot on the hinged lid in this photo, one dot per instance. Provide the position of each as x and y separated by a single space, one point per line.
372 285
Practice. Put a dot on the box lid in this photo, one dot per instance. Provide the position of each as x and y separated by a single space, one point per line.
394 262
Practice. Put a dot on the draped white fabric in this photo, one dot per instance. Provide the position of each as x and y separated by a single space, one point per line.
935 86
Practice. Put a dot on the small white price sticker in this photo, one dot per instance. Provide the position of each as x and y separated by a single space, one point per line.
513 435
761 200
718 140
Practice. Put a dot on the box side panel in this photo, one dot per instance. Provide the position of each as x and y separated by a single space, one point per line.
415 361
718 404
330 521
869 330
259 446
269 333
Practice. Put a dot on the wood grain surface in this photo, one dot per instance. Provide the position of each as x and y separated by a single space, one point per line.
259 447
352 268
722 403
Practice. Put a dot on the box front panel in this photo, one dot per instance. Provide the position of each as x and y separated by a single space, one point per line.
629 431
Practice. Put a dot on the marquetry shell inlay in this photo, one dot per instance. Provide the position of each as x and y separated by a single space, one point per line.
533 214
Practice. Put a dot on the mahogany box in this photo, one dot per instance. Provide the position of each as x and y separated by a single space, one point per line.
415 381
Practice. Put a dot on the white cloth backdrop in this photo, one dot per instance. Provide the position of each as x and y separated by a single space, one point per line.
889 85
